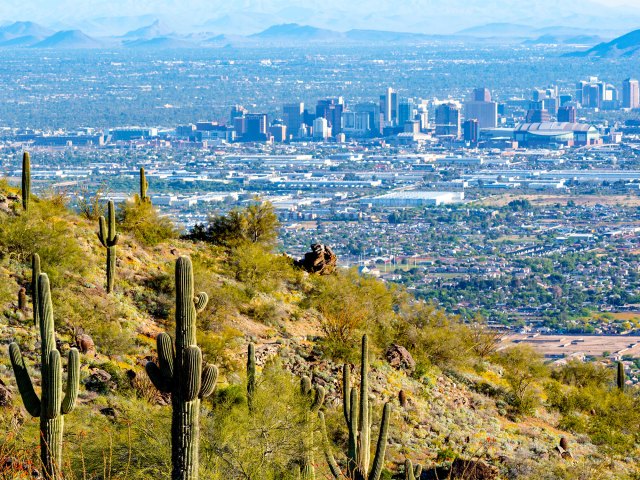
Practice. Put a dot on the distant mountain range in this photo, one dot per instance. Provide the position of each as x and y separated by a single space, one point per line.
627 46
158 35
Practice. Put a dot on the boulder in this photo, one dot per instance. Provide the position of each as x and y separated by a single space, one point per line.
320 260
5 395
85 344
400 358
99 381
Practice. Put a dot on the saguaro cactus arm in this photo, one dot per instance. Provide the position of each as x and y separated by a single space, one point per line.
73 382
209 379
381 447
107 231
331 461
35 275
23 379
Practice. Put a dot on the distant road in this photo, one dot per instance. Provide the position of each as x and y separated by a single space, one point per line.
557 346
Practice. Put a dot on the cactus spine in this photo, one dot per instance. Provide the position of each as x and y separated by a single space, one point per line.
26 180
109 239
411 473
251 375
315 398
620 379
181 373
358 418
50 407
144 185
35 295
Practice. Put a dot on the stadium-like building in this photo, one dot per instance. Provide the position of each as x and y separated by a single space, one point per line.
553 134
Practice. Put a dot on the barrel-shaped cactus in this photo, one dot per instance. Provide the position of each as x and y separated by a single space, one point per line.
26 180
35 276
620 378
181 373
109 239
22 299
315 399
357 416
144 185
51 406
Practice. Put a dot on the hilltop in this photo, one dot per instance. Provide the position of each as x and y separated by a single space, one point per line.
627 46
499 413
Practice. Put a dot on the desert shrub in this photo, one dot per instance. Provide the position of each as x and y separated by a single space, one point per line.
157 295
265 444
257 223
90 206
523 369
45 230
216 347
143 221
582 374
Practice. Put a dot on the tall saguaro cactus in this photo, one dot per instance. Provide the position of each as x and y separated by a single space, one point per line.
315 395
50 407
26 180
251 375
411 472
357 415
109 239
620 379
180 372
144 185
35 295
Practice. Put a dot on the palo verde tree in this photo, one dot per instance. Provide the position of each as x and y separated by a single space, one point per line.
51 407
181 373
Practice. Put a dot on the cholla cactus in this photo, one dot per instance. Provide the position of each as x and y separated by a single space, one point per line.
26 180
109 239
358 417
180 372
50 407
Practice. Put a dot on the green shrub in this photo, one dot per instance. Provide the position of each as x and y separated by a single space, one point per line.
143 221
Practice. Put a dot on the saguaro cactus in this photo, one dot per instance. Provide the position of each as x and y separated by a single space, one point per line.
50 407
22 299
26 180
109 239
251 375
180 372
357 415
411 473
315 396
35 295
620 379
144 185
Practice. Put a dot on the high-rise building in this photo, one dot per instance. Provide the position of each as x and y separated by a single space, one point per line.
356 123
590 93
567 114
255 127
485 112
631 93
373 110
448 119
331 109
481 95
278 131
389 108
471 131
321 129
538 116
406 111
293 114
237 111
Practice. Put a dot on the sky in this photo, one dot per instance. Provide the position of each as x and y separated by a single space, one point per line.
249 16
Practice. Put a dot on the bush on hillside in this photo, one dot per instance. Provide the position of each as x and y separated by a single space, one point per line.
144 222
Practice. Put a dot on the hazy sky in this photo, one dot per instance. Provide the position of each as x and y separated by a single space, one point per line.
446 16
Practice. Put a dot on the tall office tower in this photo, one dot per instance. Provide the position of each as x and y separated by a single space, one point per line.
293 114
373 110
422 113
631 93
240 125
564 99
448 119
567 114
471 131
406 111
481 95
331 109
255 127
591 93
481 108
237 111
321 128
389 108
278 131
356 123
